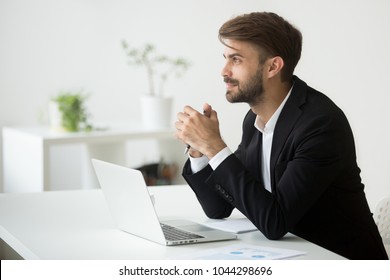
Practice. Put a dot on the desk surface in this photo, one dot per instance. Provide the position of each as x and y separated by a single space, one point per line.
76 225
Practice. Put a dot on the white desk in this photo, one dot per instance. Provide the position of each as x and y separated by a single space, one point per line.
77 225
26 152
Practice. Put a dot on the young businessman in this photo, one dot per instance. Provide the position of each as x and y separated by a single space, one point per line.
295 169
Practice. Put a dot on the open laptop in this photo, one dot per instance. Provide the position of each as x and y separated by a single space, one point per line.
132 209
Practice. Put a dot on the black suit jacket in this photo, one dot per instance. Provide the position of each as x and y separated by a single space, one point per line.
317 192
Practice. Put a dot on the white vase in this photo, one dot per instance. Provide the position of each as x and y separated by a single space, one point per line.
55 117
156 112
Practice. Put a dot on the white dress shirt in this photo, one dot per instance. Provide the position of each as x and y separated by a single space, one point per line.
267 129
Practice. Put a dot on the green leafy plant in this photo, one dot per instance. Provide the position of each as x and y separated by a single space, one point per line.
73 112
158 67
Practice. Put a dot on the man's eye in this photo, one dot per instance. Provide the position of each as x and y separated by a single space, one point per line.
236 60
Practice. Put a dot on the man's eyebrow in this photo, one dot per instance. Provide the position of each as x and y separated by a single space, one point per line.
232 55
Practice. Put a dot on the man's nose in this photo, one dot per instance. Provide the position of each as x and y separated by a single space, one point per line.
226 72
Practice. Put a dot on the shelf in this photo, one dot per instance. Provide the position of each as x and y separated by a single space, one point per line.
28 154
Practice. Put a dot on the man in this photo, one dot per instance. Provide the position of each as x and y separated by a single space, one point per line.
295 169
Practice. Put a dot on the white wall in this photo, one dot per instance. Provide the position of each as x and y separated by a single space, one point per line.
50 45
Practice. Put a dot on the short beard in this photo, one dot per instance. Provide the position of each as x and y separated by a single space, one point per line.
251 92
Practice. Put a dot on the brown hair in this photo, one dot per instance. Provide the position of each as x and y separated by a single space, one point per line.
273 35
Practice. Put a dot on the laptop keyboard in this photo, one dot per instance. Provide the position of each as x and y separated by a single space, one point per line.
171 233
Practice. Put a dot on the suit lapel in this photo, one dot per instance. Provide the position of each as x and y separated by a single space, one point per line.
253 156
289 115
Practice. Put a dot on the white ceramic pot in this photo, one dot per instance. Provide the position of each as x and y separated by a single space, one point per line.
156 112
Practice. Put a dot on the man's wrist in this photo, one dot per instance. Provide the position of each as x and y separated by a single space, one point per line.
198 163
194 153
219 157
215 149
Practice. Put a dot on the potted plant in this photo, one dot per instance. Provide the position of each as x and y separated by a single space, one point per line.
67 112
156 107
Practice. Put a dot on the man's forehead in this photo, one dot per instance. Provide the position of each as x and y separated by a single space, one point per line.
241 48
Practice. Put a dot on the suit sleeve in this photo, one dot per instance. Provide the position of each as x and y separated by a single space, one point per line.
212 204
242 190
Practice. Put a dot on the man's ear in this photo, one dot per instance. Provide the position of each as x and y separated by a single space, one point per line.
275 65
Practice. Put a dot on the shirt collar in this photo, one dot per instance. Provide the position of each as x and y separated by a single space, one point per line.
270 125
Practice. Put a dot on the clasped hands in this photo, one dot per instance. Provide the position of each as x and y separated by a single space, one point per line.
200 131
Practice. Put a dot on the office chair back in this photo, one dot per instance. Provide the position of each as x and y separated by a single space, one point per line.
382 219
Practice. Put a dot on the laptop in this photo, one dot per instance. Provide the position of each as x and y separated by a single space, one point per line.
132 209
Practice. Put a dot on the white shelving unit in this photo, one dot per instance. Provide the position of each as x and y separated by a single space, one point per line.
27 152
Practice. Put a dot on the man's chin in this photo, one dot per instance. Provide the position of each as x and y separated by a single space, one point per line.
230 97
